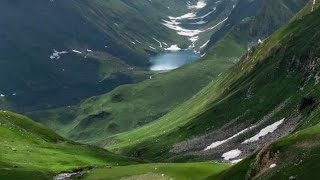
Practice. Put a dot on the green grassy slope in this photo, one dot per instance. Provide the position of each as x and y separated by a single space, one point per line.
282 69
31 151
184 171
32 31
132 106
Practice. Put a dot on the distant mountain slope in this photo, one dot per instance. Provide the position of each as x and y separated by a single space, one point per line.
254 20
267 95
31 151
57 52
132 106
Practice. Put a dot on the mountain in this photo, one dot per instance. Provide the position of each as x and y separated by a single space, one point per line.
254 115
270 93
254 20
132 106
31 151
55 53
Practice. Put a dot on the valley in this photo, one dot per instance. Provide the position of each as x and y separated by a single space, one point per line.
161 89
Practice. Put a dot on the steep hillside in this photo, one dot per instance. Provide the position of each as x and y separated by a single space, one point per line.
132 106
267 95
294 157
251 21
55 52
31 151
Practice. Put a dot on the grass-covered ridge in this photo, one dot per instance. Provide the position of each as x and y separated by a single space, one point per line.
31 151
134 105
275 72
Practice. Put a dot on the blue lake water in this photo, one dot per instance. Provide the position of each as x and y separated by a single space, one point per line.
172 60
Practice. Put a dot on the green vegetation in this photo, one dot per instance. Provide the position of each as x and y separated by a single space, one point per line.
279 75
275 72
135 105
184 171
31 151
107 27
131 106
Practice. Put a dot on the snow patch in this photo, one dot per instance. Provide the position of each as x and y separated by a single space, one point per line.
205 44
173 48
218 24
272 166
231 154
153 48
160 44
263 132
200 4
236 161
76 51
56 54
218 143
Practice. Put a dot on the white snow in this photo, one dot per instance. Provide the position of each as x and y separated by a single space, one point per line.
152 47
204 16
89 50
185 16
272 165
218 24
76 51
263 132
2 95
160 44
205 44
138 41
194 39
231 154
200 22
200 4
56 54
173 48
236 161
218 143
175 23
